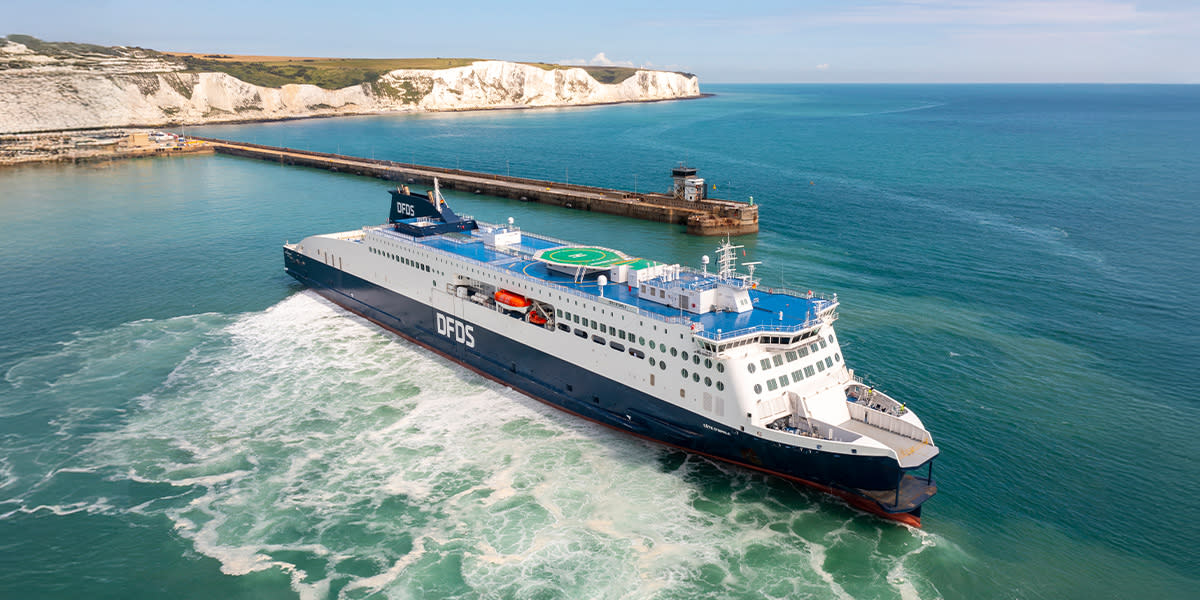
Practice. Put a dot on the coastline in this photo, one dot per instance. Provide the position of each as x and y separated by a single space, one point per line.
366 113
14 143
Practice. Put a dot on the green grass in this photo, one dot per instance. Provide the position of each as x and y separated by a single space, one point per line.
60 49
328 73
601 74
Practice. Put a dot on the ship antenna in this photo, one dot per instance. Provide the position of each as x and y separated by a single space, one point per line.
727 259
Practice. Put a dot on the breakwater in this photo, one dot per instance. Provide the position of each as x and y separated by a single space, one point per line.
702 216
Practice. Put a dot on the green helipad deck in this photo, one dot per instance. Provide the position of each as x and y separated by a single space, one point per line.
584 256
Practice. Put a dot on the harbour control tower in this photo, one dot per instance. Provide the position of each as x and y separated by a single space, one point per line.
687 186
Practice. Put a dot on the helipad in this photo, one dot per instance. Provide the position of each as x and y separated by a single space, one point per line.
583 256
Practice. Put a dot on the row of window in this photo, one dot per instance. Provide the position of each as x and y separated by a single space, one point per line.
631 338
790 355
799 374
614 344
407 261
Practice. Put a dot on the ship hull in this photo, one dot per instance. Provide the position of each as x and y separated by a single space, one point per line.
554 381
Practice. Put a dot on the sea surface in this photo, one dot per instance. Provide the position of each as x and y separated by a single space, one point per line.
1019 263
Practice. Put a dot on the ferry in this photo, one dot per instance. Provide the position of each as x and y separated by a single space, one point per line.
710 362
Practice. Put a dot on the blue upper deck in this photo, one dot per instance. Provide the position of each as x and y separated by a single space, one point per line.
782 311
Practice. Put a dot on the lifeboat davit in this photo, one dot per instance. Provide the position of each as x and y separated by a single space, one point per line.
511 301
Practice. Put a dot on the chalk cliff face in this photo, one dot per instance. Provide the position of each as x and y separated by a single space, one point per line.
40 93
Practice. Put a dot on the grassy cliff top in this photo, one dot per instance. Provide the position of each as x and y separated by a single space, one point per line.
335 73
277 71
329 73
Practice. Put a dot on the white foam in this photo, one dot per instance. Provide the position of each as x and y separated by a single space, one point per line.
306 431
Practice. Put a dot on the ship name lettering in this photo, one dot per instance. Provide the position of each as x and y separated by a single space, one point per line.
720 431
406 209
456 330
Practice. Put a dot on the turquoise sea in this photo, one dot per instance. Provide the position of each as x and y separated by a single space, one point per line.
179 419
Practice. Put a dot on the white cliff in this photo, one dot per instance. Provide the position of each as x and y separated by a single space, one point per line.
143 88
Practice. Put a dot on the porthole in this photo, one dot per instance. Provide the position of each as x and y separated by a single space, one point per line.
720 386
758 388
708 363
683 355
662 364
721 368
652 346
683 372
695 359
750 367
837 357
652 361
642 341
708 381
696 377
674 352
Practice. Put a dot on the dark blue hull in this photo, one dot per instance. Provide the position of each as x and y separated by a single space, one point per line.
587 394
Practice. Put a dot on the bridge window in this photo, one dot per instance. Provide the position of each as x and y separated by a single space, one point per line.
778 360
791 355
803 351
766 363
771 385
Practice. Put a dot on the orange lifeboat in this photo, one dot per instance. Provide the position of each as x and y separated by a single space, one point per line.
512 301
536 318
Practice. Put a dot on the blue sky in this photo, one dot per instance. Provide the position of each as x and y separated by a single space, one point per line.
722 41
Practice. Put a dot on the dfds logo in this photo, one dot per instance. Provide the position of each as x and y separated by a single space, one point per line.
456 330
405 209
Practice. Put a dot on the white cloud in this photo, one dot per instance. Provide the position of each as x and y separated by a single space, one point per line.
823 67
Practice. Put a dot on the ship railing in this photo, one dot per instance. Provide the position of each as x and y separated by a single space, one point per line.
784 291
717 336
567 290
888 422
